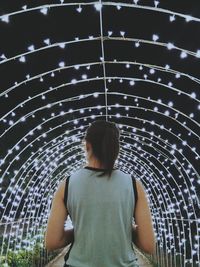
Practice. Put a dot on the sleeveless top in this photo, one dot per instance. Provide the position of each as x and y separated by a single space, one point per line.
101 211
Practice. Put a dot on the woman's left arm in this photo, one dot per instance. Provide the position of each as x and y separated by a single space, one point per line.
55 235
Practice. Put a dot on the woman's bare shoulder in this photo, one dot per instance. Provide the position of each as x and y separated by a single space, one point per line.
61 188
140 189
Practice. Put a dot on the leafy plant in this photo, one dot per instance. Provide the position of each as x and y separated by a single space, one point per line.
24 258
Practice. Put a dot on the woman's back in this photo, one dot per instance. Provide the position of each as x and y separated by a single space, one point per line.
101 210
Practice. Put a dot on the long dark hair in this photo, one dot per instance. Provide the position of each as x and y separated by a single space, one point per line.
104 139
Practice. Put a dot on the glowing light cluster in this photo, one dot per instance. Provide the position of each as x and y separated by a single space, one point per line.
45 112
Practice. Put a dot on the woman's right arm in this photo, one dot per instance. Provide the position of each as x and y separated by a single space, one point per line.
143 234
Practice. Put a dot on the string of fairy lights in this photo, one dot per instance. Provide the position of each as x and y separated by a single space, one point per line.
42 132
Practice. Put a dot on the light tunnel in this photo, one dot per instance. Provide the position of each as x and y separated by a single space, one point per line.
64 65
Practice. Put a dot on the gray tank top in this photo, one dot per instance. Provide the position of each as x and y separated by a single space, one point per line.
101 211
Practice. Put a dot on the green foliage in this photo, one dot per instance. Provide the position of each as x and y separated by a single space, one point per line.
24 258
17 259
4 265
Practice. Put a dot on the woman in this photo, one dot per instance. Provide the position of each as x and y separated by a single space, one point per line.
101 205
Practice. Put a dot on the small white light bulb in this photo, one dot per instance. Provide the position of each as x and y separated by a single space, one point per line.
98 6
22 59
62 45
122 33
172 18
61 64
47 41
188 18
156 3
44 10
31 48
5 18
198 53
183 54
79 9
155 37
132 83
170 46
137 44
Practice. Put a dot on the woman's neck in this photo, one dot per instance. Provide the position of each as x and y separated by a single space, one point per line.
94 164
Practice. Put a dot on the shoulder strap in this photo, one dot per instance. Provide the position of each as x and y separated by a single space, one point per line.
65 201
66 191
135 190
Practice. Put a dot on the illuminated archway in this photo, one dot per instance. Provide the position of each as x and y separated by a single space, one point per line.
65 65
